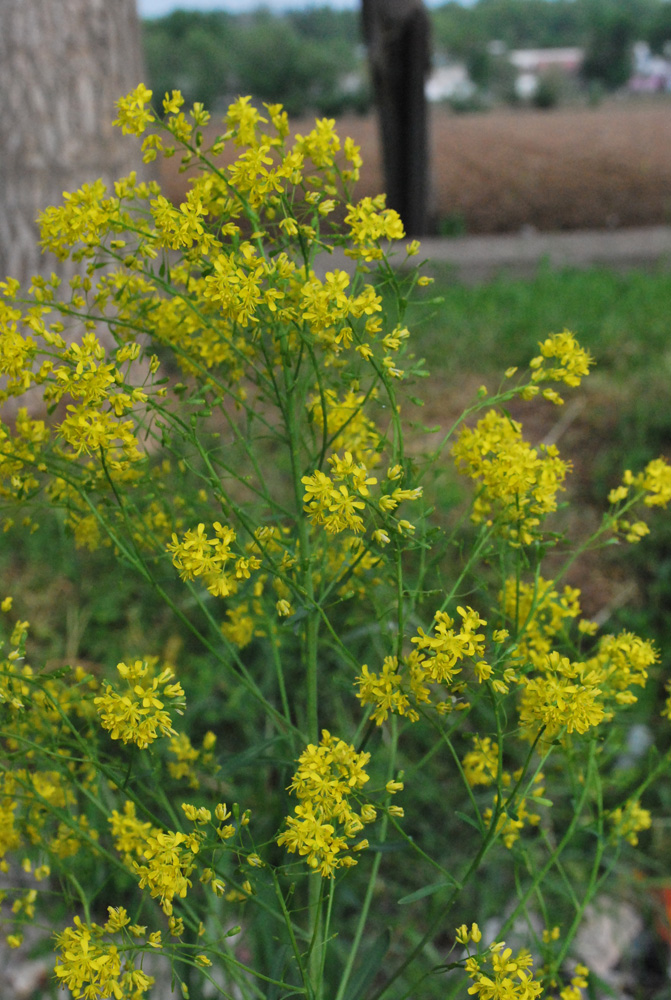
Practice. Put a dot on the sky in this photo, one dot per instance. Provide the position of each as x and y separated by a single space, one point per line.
157 8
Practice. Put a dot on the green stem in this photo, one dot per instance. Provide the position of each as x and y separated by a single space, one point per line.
558 851
372 880
316 952
292 937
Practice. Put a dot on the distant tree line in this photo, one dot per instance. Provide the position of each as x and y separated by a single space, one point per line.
309 59
301 59
606 29
547 23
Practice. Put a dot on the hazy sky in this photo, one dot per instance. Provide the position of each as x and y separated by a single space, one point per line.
155 8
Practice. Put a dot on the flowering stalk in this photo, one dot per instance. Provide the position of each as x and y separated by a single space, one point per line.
323 660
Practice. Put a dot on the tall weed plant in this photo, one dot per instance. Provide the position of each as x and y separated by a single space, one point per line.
406 742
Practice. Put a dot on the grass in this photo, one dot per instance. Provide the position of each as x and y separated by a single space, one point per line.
471 334
623 319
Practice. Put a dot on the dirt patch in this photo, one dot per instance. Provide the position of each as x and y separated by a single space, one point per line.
573 168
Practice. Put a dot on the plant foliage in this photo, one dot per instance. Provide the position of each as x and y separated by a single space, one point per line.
371 715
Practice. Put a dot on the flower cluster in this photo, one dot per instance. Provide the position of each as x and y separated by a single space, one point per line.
557 693
196 555
325 823
561 359
337 507
500 975
91 966
334 500
481 764
562 696
169 860
652 486
137 714
370 222
518 484
627 821
432 666
163 860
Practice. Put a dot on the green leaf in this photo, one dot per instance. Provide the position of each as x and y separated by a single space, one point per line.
276 970
371 960
56 673
427 890
388 847
469 820
596 982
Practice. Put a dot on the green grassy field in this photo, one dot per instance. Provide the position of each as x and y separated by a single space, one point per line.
619 418
470 333
623 319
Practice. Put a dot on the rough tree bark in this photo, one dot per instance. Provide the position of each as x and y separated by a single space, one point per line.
397 34
63 64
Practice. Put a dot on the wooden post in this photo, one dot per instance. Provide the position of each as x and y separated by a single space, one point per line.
397 35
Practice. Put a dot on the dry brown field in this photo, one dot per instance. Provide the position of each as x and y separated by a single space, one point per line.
569 168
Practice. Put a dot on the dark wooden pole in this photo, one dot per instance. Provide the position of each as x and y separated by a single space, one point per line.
397 35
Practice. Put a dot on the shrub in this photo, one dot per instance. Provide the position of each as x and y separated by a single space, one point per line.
548 93
383 729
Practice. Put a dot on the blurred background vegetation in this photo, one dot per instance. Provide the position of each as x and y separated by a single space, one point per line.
303 59
314 60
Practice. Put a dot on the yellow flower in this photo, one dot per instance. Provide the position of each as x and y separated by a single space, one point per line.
571 361
500 976
170 859
384 690
172 102
370 222
324 822
92 967
627 821
481 764
133 115
137 714
518 483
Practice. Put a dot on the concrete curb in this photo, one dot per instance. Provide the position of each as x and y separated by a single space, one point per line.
475 259
480 258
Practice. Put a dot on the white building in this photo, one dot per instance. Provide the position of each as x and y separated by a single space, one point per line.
652 74
539 61
447 82
532 64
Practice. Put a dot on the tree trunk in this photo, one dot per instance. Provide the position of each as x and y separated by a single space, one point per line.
397 34
63 64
